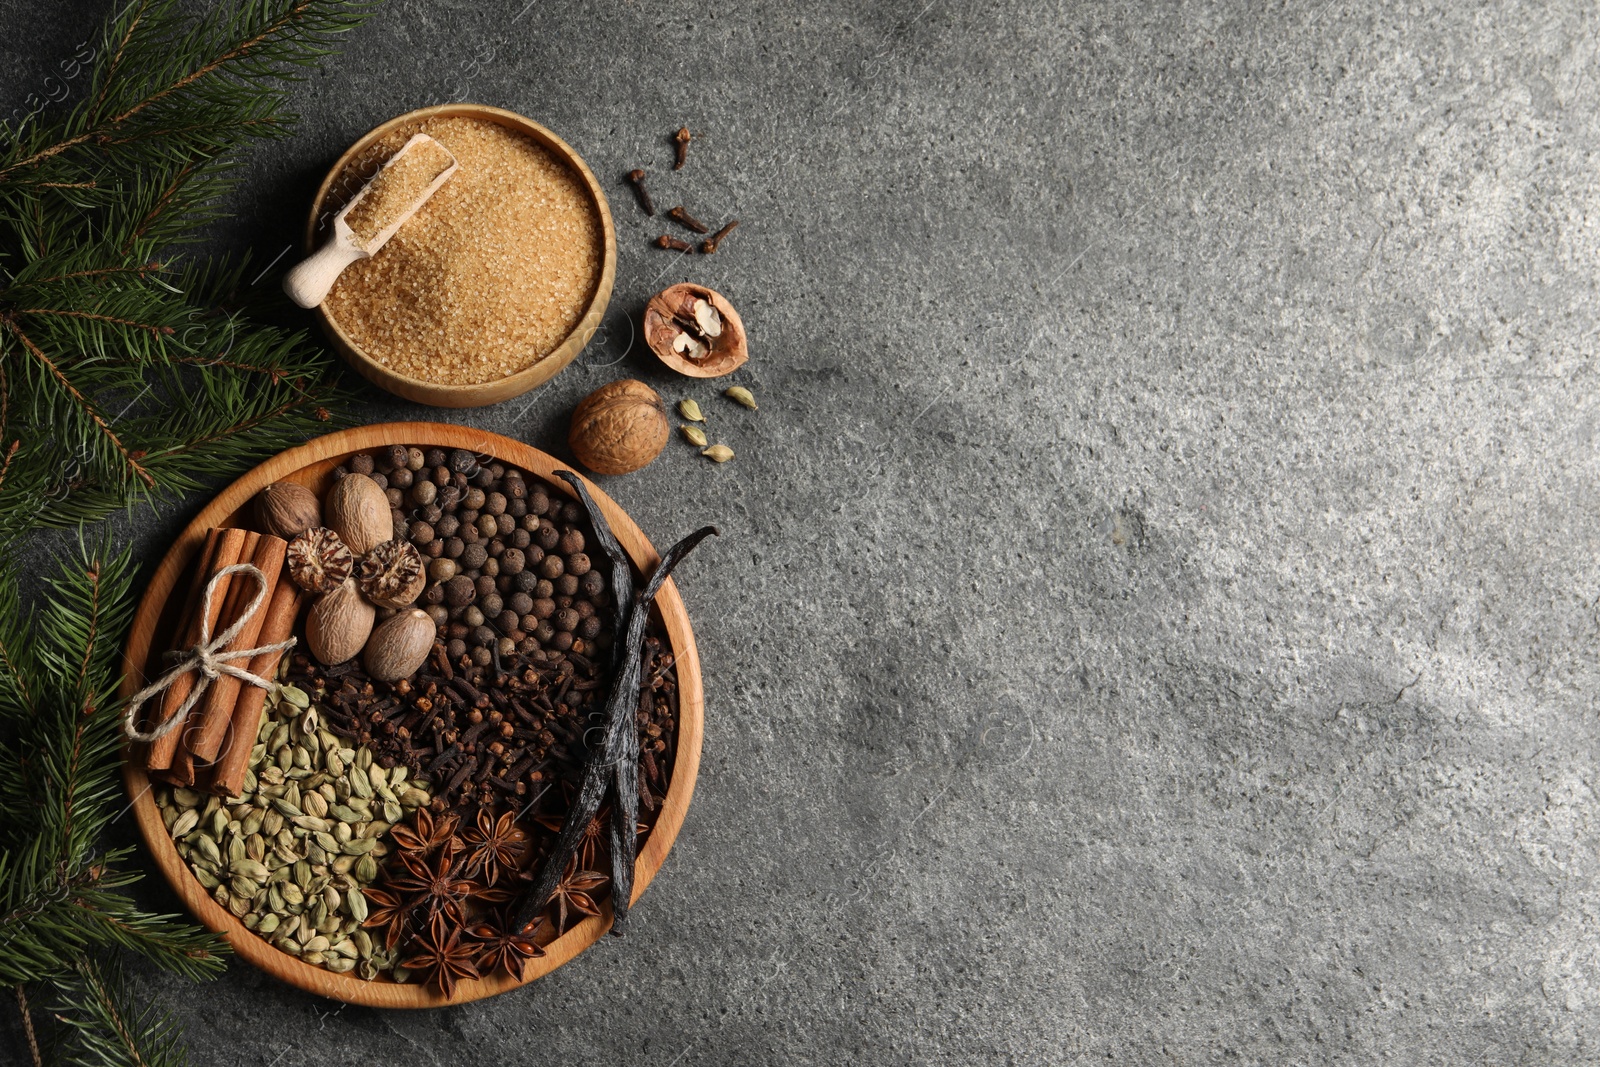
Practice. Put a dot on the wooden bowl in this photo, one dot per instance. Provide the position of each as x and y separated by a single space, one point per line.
728 355
469 396
311 465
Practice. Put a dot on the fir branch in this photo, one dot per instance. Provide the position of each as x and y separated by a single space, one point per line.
106 1027
27 1024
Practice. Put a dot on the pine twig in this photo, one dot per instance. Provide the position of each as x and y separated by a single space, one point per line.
27 1024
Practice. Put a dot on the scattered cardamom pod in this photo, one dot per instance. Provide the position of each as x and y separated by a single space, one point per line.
718 453
694 435
690 410
741 396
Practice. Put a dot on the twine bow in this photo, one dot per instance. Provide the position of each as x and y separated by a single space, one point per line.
209 657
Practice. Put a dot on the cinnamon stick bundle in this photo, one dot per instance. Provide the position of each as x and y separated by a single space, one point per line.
222 549
227 774
213 715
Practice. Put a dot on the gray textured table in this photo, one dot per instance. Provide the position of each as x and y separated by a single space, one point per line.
1155 618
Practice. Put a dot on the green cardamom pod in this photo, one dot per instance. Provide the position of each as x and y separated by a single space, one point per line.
718 453
694 435
741 396
690 410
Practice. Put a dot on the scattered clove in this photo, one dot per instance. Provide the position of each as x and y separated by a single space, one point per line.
681 139
709 245
669 242
636 176
678 214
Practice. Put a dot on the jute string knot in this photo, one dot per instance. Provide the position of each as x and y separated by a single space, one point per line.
209 658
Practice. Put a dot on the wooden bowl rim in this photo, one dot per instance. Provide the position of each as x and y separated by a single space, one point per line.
455 396
326 450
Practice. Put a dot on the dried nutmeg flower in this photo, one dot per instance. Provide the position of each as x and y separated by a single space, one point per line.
392 574
318 560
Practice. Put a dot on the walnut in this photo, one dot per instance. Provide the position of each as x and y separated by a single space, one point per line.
392 574
619 427
318 561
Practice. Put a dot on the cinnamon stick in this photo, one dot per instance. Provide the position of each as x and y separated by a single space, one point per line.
215 711
163 748
279 618
191 603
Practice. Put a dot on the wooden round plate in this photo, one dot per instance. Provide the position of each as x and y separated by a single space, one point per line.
311 465
338 187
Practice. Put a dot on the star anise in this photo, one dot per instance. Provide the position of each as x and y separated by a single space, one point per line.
572 892
495 845
443 956
432 886
594 835
426 836
387 910
506 949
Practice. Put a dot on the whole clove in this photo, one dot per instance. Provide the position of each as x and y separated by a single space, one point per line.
681 140
710 244
680 215
636 177
669 242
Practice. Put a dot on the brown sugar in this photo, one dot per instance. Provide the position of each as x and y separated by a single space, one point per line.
490 274
395 190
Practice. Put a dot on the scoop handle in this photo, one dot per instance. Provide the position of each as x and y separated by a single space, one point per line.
309 281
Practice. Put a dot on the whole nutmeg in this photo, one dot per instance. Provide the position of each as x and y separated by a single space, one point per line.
358 511
339 623
619 428
399 645
287 509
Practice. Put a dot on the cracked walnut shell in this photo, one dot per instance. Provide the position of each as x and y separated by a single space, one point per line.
319 561
392 574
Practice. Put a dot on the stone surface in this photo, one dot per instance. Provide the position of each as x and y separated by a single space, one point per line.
1155 615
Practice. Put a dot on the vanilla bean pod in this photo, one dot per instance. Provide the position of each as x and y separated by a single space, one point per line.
619 749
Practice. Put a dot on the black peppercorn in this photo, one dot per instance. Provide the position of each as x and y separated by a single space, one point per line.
521 539
340 471
446 525
395 456
526 581
543 588
547 535
473 499
494 504
453 547
521 603
507 621
424 493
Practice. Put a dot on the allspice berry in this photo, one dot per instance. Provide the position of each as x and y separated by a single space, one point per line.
619 428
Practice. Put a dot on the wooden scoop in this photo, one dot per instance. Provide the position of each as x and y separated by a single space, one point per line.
401 186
